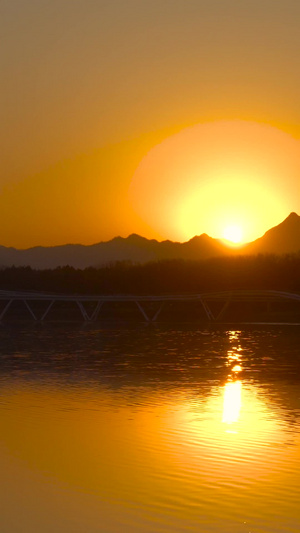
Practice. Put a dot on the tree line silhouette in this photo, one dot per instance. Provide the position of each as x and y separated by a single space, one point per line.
162 277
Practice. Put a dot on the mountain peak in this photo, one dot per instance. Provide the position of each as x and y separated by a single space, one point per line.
199 238
293 216
281 239
134 238
293 220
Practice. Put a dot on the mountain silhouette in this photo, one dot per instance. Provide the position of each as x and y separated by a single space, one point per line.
281 239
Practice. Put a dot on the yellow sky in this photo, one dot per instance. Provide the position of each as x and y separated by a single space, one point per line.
90 87
219 175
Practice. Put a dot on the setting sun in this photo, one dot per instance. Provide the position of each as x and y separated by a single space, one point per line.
233 234
194 181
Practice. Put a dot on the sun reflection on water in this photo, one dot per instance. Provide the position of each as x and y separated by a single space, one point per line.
232 402
210 449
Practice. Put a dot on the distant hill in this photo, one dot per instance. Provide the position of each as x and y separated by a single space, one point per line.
284 238
133 248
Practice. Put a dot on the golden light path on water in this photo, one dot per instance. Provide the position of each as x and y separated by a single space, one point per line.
233 389
232 401
176 459
218 175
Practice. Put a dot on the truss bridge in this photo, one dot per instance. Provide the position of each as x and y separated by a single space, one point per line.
240 306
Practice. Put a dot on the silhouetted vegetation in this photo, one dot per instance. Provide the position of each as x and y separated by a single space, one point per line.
162 277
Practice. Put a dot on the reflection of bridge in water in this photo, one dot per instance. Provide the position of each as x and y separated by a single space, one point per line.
238 305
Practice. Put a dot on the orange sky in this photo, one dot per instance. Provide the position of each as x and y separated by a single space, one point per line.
90 87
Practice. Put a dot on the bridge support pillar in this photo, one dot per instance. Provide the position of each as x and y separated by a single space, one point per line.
207 310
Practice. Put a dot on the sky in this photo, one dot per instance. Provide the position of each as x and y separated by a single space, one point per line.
91 88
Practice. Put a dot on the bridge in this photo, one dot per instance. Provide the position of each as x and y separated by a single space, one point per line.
214 305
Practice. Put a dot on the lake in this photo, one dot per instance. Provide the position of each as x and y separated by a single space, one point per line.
150 429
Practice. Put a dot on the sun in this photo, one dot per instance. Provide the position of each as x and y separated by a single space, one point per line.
232 180
233 234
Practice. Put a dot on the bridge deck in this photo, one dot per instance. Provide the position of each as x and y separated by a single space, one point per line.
206 300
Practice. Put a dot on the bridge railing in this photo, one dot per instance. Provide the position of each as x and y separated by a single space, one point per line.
205 299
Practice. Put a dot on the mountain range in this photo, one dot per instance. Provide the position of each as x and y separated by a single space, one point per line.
281 239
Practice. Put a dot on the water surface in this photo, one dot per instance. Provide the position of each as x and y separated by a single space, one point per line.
149 429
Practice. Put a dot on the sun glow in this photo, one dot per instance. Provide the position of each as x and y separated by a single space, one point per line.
220 171
233 234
